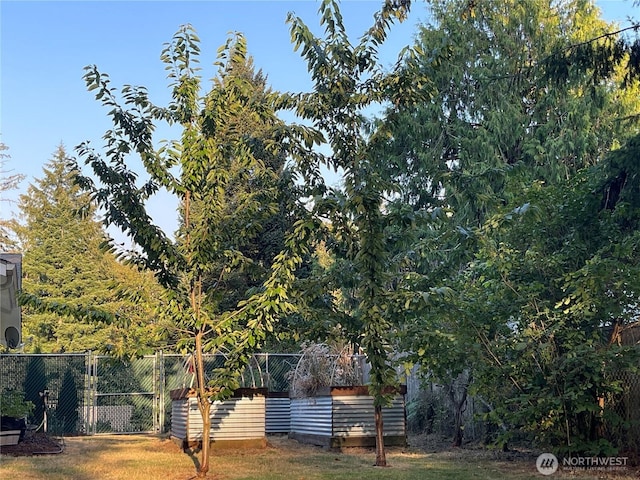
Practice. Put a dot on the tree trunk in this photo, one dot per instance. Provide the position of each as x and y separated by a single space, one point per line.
205 408
381 457
459 406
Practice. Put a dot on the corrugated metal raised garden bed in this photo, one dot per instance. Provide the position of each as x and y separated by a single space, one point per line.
278 413
236 422
344 417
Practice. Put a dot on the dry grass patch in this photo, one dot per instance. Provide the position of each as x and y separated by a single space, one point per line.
105 457
152 458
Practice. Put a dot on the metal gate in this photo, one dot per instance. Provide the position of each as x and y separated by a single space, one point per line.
125 397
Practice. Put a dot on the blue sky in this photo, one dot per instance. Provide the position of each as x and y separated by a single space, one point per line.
46 45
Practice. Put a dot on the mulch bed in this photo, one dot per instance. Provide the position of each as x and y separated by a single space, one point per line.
36 444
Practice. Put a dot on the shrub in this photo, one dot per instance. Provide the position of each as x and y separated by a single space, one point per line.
13 404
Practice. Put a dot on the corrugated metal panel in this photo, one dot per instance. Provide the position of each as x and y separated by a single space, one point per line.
179 415
278 415
354 416
311 416
233 419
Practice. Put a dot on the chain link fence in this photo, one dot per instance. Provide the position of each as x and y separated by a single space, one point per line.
624 430
87 394
432 409
59 381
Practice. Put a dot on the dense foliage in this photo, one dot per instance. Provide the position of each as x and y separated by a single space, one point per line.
75 288
507 159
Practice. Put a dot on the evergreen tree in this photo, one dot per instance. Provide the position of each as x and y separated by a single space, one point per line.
35 384
66 411
271 185
65 268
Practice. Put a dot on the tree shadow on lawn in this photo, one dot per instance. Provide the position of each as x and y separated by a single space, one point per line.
193 454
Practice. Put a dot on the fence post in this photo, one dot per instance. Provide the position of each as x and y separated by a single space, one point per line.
94 392
89 410
268 373
159 392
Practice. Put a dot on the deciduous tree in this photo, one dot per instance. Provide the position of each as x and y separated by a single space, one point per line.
226 193
348 79
495 126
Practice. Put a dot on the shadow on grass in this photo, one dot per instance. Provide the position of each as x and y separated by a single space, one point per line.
193 453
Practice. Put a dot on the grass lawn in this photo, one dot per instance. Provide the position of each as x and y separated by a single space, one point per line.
153 458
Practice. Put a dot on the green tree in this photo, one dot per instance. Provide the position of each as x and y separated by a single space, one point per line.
273 187
495 125
602 57
495 122
226 192
65 268
553 284
347 80
35 384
